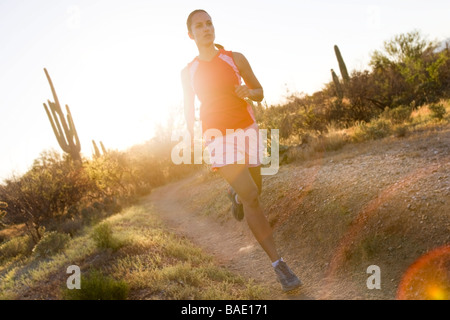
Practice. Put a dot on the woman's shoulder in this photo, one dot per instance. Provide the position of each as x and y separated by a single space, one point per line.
238 56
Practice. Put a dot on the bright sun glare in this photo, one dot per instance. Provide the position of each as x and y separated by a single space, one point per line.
122 90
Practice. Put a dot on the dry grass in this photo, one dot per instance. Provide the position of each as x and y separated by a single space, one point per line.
313 145
135 257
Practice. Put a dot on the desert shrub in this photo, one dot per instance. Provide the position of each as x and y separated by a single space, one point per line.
57 189
90 215
71 226
109 173
112 205
104 238
397 115
22 245
330 142
287 126
97 286
362 92
44 193
51 243
400 130
437 111
409 68
376 129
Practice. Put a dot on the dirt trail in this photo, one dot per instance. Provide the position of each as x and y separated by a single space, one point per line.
383 202
230 242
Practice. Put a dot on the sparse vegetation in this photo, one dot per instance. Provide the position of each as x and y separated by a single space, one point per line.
149 263
16 248
51 243
97 286
437 111
104 238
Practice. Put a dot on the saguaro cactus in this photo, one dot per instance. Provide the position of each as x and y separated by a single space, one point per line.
97 152
337 84
342 66
3 205
65 131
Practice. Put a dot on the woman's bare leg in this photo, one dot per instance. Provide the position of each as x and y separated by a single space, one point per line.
256 175
255 172
240 179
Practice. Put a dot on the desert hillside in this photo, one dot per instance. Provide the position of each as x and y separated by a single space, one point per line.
379 203
382 203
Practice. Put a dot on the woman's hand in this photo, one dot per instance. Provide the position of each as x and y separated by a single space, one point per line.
245 92
242 92
257 92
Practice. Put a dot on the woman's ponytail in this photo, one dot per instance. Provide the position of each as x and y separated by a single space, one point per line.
218 46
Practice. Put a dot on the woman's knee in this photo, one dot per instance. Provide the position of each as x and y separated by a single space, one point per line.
250 198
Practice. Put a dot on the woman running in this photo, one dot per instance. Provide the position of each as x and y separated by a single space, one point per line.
230 130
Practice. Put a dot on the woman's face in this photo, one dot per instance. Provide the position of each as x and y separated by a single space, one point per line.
202 29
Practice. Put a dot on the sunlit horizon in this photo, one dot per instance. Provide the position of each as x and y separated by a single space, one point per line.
117 64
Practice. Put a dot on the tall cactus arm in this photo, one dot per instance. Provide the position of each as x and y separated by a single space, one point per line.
56 128
57 106
342 66
60 125
50 118
56 117
337 85
96 150
103 148
64 130
72 130
55 96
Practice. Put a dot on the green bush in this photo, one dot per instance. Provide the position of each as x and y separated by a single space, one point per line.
91 215
51 243
104 238
15 247
97 286
71 226
437 111
112 205
397 115
376 129
46 192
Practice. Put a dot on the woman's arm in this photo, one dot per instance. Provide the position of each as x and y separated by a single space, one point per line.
189 101
253 88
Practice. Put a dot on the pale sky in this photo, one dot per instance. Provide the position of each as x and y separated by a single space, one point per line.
117 63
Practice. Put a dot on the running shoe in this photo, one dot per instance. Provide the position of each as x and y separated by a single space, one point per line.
286 277
237 209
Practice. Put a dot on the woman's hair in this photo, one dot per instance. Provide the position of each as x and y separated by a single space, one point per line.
189 24
191 15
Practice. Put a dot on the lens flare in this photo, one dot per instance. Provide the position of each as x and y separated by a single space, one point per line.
436 292
428 278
